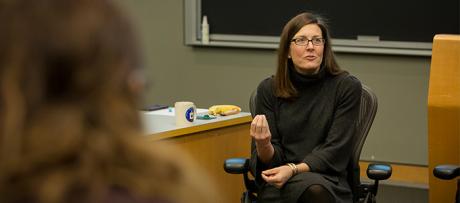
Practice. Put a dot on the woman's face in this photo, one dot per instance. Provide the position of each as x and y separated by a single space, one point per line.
306 51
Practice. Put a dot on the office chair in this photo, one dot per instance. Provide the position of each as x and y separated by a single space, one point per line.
362 192
449 172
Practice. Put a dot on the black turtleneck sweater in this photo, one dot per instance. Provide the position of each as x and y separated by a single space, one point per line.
316 128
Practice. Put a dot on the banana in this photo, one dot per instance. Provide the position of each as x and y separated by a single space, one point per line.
224 110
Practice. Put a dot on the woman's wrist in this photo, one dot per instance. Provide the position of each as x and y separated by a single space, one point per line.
298 168
294 168
265 153
303 167
263 145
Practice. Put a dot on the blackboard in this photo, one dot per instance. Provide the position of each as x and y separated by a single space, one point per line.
395 27
391 20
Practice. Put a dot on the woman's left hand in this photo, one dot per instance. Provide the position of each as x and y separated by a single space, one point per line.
277 176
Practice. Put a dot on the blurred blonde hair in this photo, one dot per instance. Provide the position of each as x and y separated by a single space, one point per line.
69 130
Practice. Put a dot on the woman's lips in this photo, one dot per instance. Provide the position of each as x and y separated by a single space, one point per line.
310 57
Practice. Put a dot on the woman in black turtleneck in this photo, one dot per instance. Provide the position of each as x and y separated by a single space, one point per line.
306 118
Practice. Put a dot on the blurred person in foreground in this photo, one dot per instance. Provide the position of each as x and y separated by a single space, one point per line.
70 84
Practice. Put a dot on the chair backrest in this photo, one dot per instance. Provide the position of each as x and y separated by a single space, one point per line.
367 112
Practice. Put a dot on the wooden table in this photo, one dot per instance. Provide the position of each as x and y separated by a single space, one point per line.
209 142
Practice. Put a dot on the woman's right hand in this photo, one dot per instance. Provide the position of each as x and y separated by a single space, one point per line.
277 176
260 131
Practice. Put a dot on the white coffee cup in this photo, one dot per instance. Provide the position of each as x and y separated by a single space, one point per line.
185 113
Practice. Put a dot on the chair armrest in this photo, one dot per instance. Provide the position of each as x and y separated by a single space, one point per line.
241 166
236 165
379 171
446 172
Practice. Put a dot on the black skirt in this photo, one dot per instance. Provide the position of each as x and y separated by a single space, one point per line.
297 184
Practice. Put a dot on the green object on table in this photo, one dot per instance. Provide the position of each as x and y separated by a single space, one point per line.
205 117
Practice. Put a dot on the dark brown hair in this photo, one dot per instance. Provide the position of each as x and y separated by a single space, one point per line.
70 131
283 84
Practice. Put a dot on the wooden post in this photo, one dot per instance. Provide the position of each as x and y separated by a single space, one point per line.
444 114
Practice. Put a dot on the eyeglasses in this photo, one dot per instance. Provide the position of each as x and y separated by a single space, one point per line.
302 41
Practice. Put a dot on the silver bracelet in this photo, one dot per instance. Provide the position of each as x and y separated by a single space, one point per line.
293 167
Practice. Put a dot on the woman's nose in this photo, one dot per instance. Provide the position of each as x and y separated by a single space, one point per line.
309 45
